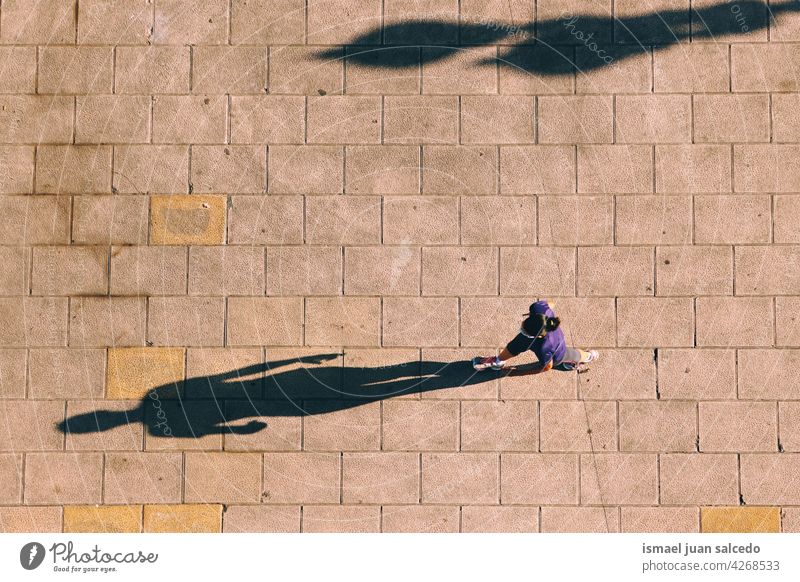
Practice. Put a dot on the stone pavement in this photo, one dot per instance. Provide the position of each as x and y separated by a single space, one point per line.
248 245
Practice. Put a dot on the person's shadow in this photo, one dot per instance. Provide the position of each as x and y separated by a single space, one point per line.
301 386
545 46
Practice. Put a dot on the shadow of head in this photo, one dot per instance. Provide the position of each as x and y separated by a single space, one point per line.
241 401
561 45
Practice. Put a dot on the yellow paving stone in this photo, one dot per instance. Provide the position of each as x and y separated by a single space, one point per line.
740 519
102 518
187 220
132 372
190 518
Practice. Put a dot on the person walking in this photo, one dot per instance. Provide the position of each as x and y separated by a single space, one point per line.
539 332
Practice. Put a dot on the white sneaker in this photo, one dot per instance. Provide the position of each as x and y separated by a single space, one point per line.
593 355
481 364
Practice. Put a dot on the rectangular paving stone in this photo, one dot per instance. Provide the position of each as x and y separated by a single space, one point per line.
446 70
497 519
115 22
35 220
414 119
304 270
15 278
535 271
351 321
366 70
65 373
698 479
29 519
187 219
226 270
295 374
459 170
786 208
633 275
738 426
497 119
70 270
241 169
152 69
254 220
13 369
299 70
418 321
697 374
695 270
532 478
75 69
382 169
789 426
656 322
341 519
301 477
110 220
132 372
229 69
787 328
267 22
273 119
719 323
102 519
767 270
256 321
460 478
633 29
654 426
182 119
344 119
20 69
642 220
691 68
730 219
26 119
123 433
448 375
63 169
427 220
588 321
498 220
540 169
313 169
224 373
348 425
499 426
575 119
283 432
48 22
660 519
33 321
767 374
425 425
188 518
380 477
579 520
764 479
653 118
576 220
186 321
112 119
195 23
420 518
765 168
382 270
608 169
143 478
345 220
140 169
63 478
727 27
31 425
740 519
341 22
748 119
459 271
254 518
693 168
18 164
519 71
11 478
577 426
143 270
224 477
764 67
620 374
619 478
622 71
